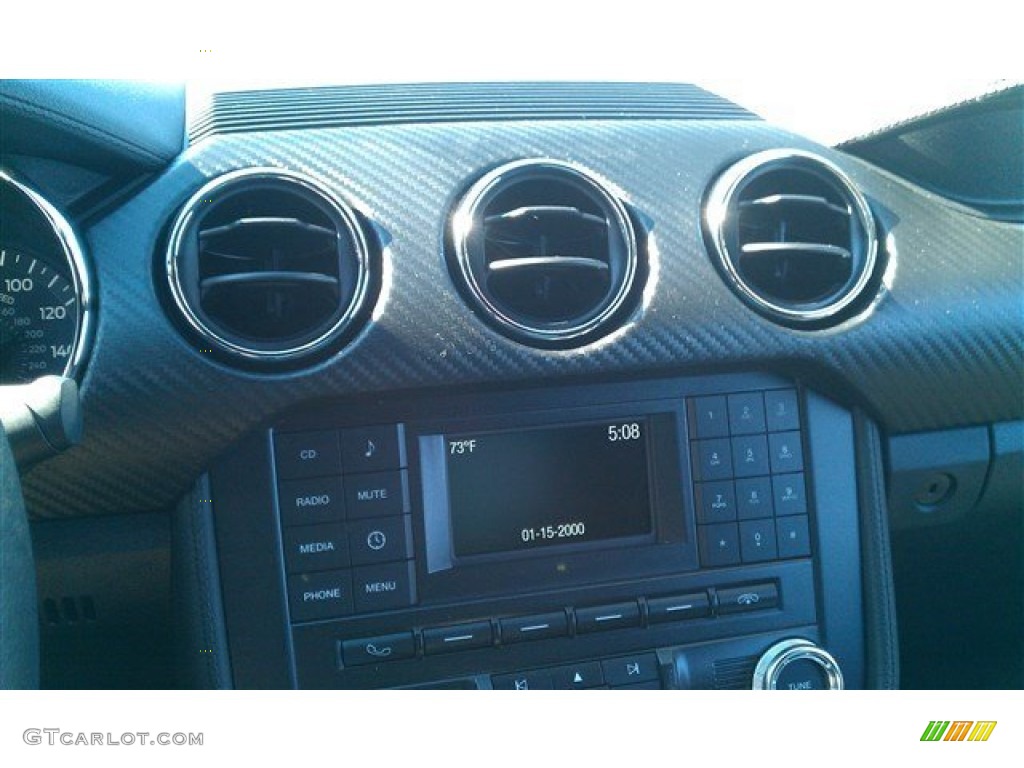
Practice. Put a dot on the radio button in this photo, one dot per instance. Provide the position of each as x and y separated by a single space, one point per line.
750 456
716 502
317 500
523 681
378 494
719 544
630 670
587 674
320 595
713 459
371 449
315 548
794 538
665 609
746 413
374 650
307 454
754 498
461 637
757 541
786 451
711 417
753 597
523 628
781 410
380 540
383 587
606 617
789 494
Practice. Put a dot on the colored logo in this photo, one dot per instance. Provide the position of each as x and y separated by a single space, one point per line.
958 730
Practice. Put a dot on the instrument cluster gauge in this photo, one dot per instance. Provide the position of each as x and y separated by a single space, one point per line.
45 297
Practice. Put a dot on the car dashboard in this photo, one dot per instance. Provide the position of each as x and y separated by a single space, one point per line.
518 386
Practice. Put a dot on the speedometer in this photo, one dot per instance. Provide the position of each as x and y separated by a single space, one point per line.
44 296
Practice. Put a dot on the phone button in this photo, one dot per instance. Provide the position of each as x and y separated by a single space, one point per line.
374 650
751 597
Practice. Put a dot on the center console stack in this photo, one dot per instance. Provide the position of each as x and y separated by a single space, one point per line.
666 533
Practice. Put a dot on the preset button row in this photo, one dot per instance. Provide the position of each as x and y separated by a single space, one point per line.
327 452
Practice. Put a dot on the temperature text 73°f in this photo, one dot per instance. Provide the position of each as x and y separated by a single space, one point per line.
461 447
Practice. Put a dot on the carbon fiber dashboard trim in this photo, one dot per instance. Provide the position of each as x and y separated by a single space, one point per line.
356 105
941 347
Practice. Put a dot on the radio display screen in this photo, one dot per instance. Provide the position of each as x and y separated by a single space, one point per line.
528 489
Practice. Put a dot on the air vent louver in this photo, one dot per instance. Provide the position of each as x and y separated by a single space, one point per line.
793 236
267 265
544 252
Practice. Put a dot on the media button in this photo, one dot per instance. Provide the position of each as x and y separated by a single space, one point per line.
320 595
377 494
307 454
371 449
373 650
315 548
380 540
317 500
606 617
383 587
661 610
521 628
461 637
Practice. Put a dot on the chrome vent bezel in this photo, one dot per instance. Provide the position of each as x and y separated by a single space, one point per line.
187 224
595 322
720 216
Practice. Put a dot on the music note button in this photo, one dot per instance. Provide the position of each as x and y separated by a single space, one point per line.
372 449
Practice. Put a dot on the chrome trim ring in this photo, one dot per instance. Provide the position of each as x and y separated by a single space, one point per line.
187 216
716 217
78 267
782 654
465 216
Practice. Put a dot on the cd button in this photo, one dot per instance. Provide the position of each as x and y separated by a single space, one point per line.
317 500
522 628
371 449
307 454
378 494
373 650
461 637
379 540
605 617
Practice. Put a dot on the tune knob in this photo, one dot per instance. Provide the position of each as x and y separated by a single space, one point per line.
797 665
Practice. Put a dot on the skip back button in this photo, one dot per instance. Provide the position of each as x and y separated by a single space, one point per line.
374 650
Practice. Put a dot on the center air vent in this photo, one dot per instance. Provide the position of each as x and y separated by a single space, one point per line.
544 252
793 236
267 265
